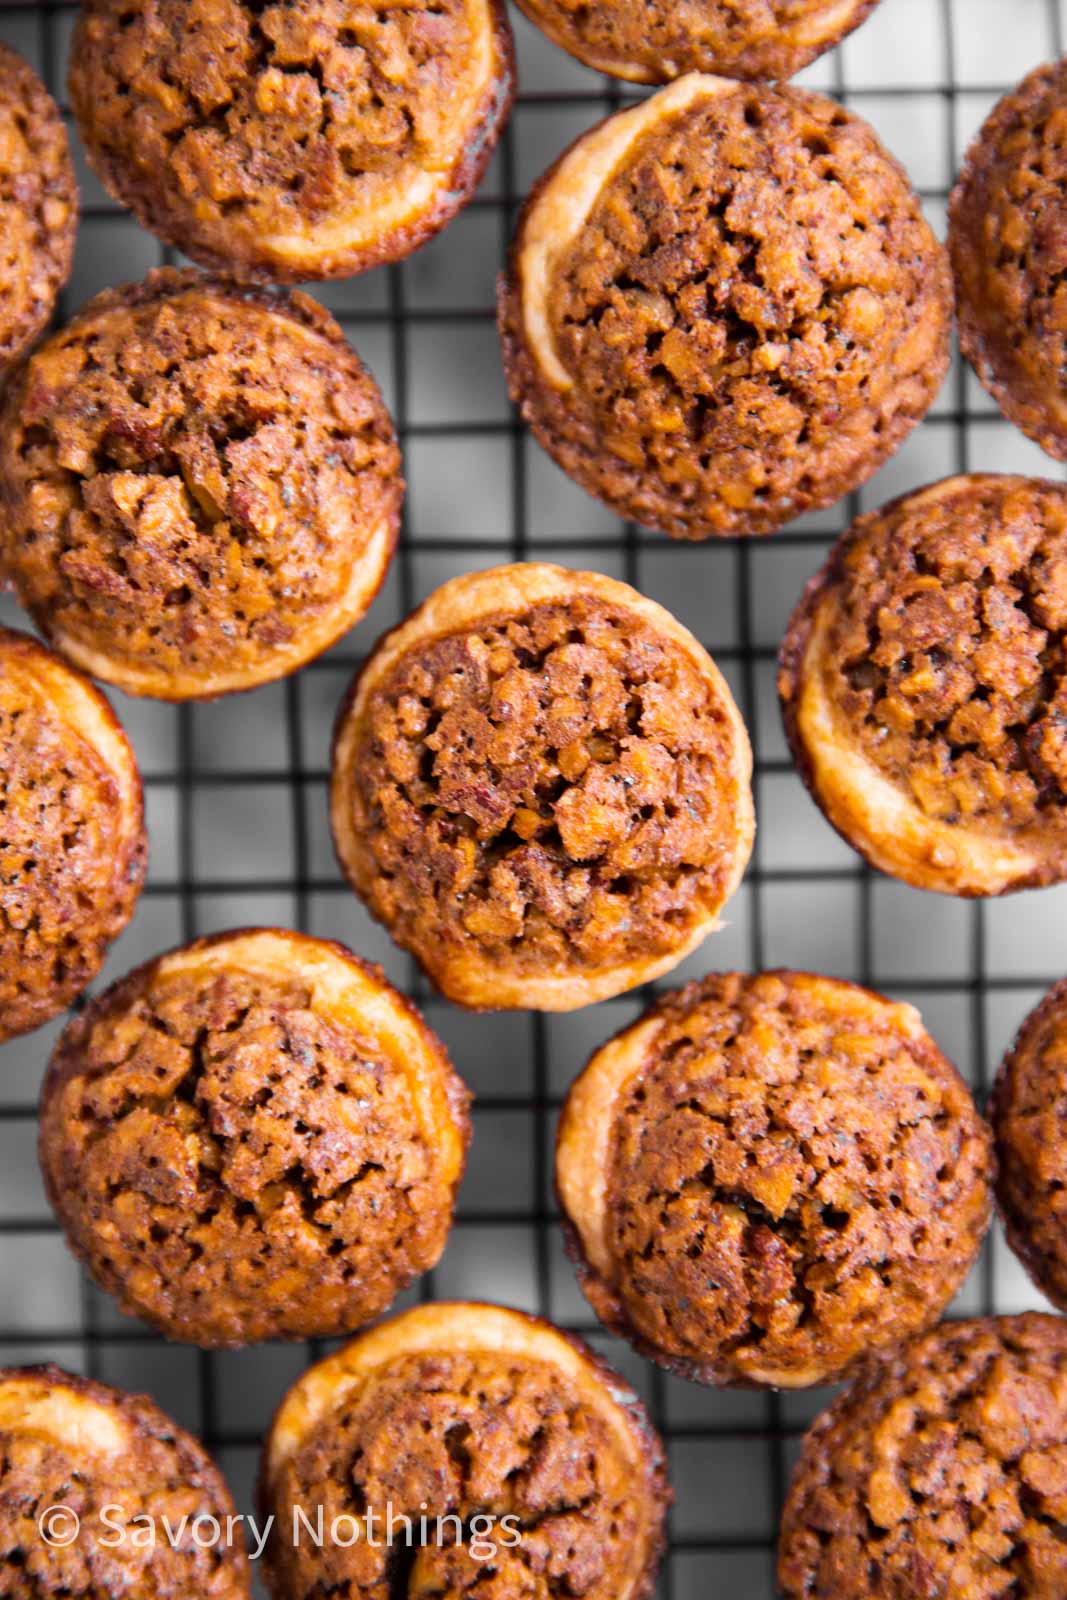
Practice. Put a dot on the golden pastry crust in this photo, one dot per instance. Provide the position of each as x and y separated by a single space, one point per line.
656 41
765 1176
940 1472
253 1137
312 139
38 206
462 1411
723 308
73 848
541 785
113 1460
1008 239
923 685
1025 1109
200 484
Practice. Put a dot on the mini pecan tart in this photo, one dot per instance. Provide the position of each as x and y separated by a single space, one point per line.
72 838
200 484
1026 1112
253 1137
310 139
924 686
92 1479
724 307
541 786
38 206
940 1472
766 1176
1008 239
520 1464
656 41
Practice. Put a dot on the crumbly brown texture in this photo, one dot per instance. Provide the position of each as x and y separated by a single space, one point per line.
551 785
655 41
754 315
1026 1112
164 1473
38 206
946 657
791 1181
470 1435
190 475
1008 238
69 873
942 1472
230 126
234 1164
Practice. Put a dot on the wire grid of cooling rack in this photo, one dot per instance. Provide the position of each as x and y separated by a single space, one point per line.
236 791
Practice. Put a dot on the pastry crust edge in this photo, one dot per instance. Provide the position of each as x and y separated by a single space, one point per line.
283 258
462 603
475 1327
355 991
869 812
582 1153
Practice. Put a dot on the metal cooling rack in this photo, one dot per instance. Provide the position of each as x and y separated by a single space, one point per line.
236 792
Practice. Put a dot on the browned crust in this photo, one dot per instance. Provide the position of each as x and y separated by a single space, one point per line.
989 343
529 389
790 674
65 1063
477 985
792 677
773 59
604 1296
126 988
18 81
147 202
66 687
161 284
1021 1205
145 1418
655 1488
139 1410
